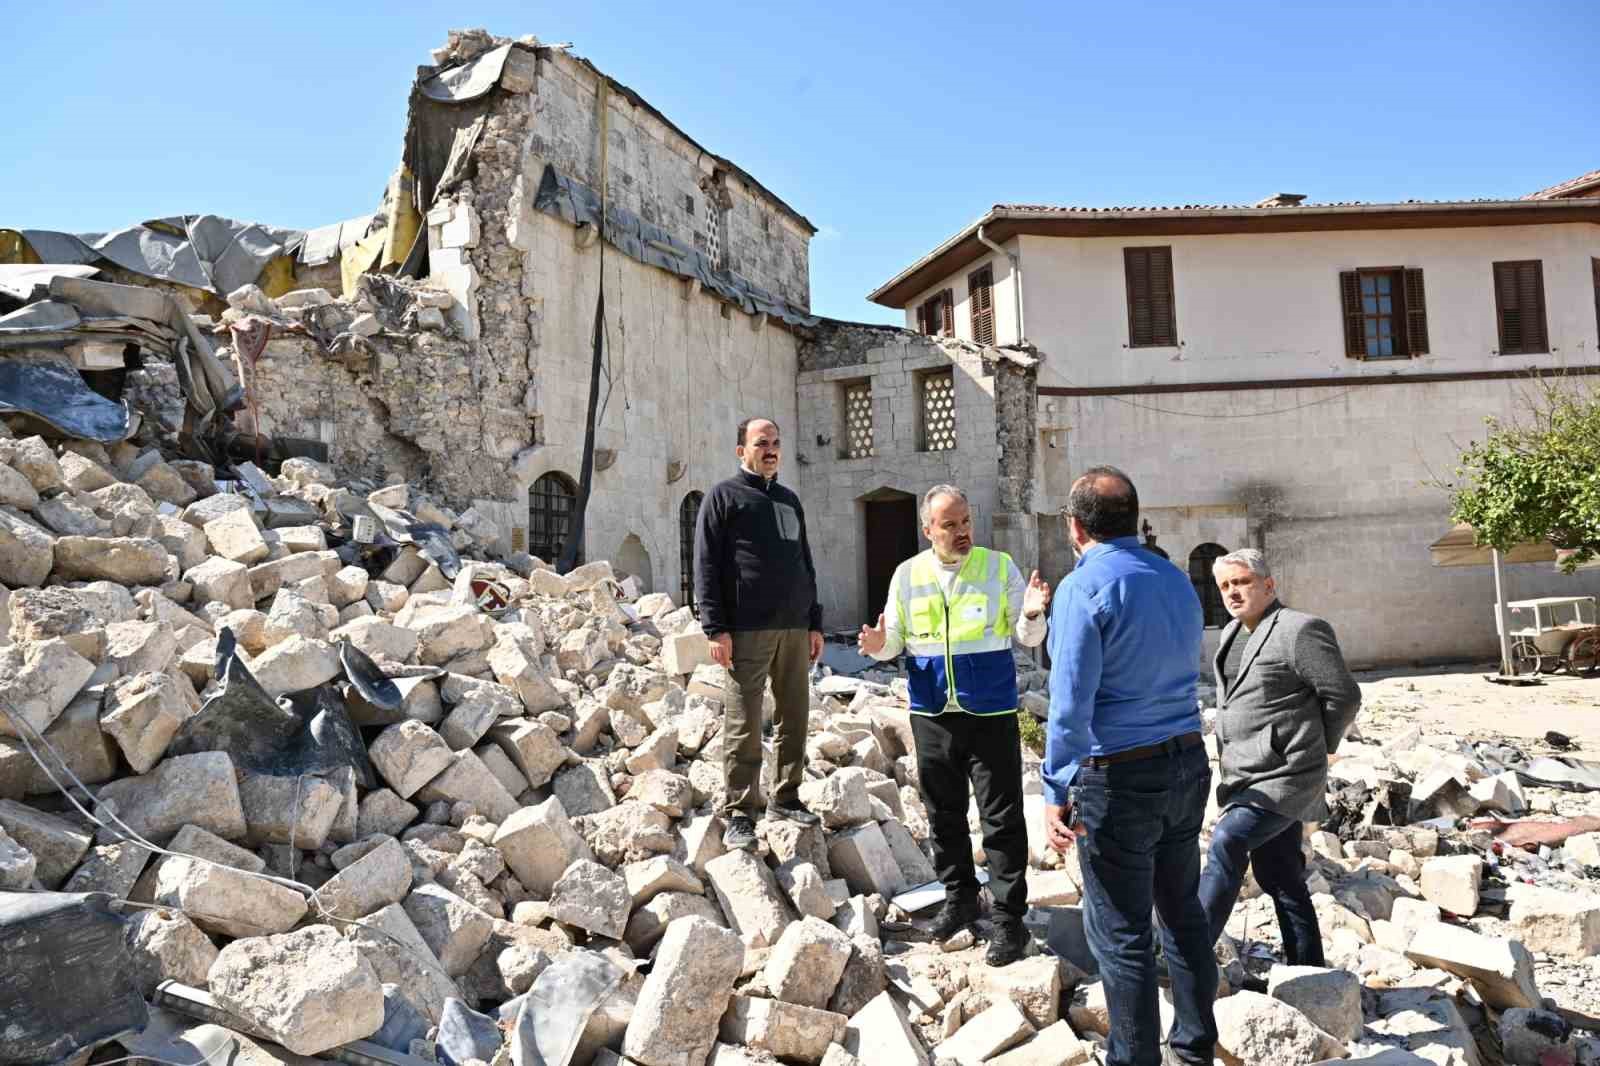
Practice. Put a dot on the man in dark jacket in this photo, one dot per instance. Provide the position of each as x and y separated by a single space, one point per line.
1284 701
757 593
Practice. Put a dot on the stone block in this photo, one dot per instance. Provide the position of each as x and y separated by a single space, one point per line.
1055 1045
125 560
539 843
864 859
584 789
467 780
296 664
749 897
806 963
985 1036
668 792
110 868
648 878
445 632
803 885
219 580
164 483
386 597
56 844
784 1030
627 832
469 720
881 1034
1253 1028
296 811
82 474
454 930
1537 1038
39 681
234 536
839 799
1453 882
658 751
1034 984
682 652
651 920
589 896
533 748
347 585
389 941
199 790
378 879
26 552
1501 970
140 647
292 615
1330 998
167 946
1556 922
17 865
225 901
309 990
915 869
142 714
683 1000
408 755
38 615
379 639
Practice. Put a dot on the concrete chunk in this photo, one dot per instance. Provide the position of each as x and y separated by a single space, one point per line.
454 930
592 898
1330 998
308 990
807 962
880 1033
198 789
539 843
408 755
997 1029
682 1001
467 780
1501 970
784 1030
1254 1028
749 897
864 859
226 901
57 844
1453 882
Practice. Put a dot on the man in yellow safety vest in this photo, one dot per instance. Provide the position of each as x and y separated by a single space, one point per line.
955 610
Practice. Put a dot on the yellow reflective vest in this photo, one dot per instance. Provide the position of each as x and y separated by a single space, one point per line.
958 645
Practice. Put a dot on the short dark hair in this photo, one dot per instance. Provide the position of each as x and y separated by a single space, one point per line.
746 425
1105 511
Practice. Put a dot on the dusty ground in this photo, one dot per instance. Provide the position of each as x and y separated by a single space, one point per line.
1459 700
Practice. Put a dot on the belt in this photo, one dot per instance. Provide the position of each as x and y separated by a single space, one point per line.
1170 746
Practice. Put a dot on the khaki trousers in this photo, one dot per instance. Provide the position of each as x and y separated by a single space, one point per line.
784 656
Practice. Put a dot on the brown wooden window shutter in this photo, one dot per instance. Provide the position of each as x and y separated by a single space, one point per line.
1519 307
1350 299
980 304
948 322
1152 314
1416 307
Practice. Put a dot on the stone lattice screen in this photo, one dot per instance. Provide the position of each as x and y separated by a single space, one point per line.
858 421
939 412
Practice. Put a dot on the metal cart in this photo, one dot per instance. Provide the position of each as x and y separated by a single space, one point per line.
1553 632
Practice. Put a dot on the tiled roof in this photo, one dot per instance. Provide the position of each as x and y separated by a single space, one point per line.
1577 184
1057 209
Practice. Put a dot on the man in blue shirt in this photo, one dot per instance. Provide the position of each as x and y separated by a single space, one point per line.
1125 775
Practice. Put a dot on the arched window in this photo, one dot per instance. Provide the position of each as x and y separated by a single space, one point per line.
551 503
1205 585
688 515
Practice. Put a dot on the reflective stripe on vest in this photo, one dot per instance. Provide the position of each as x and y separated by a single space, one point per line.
958 646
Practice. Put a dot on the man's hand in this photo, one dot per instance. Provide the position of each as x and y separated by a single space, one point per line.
1057 829
871 639
816 645
722 650
1037 598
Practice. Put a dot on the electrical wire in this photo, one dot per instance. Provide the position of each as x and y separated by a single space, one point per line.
1216 417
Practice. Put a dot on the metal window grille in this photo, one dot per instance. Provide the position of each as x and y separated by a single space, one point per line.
688 515
858 421
1205 585
939 411
551 503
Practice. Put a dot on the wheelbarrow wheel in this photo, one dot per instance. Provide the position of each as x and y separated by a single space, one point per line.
1525 659
1583 655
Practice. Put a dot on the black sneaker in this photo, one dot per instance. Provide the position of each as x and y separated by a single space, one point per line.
951 919
793 811
741 834
1008 943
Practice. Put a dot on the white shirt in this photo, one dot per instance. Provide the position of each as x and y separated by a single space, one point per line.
1029 632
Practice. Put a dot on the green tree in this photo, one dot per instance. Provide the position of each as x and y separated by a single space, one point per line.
1539 480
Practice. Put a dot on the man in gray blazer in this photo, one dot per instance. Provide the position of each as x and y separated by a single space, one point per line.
1284 701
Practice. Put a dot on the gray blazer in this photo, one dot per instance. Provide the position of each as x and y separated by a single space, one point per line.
1281 717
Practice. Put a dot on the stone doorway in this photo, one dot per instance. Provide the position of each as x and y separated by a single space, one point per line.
890 525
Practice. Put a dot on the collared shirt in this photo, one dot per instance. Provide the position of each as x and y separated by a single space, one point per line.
1234 660
1028 632
1125 629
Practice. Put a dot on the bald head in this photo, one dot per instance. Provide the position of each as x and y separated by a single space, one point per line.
1104 504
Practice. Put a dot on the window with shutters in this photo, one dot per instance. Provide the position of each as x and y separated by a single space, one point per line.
857 430
1152 311
936 316
688 515
1385 312
1519 307
937 407
980 304
551 502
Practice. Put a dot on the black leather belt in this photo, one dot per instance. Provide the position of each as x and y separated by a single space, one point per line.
1170 746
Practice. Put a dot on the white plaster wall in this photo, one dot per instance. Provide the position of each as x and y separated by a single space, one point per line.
1267 305
832 488
1339 485
682 377
1004 297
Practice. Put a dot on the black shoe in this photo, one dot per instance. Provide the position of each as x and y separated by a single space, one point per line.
952 918
1008 943
793 811
741 834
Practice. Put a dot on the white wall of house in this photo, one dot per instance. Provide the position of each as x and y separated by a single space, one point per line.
1004 297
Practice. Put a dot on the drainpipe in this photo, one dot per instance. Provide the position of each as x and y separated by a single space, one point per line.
1016 278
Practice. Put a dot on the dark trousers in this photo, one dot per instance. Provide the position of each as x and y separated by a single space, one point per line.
784 655
1271 843
951 748
1142 849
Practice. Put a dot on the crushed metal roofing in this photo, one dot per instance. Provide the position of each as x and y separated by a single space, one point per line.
1567 188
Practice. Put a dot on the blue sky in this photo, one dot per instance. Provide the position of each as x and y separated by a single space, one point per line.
889 125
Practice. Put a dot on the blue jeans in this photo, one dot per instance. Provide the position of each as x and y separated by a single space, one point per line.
1142 849
1270 842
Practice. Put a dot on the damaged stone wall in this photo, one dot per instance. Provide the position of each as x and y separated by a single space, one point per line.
992 462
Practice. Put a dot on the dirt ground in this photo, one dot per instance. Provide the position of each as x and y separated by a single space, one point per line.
1461 701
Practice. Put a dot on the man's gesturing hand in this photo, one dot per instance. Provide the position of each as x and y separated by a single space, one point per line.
721 650
1057 831
815 646
871 639
1037 598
